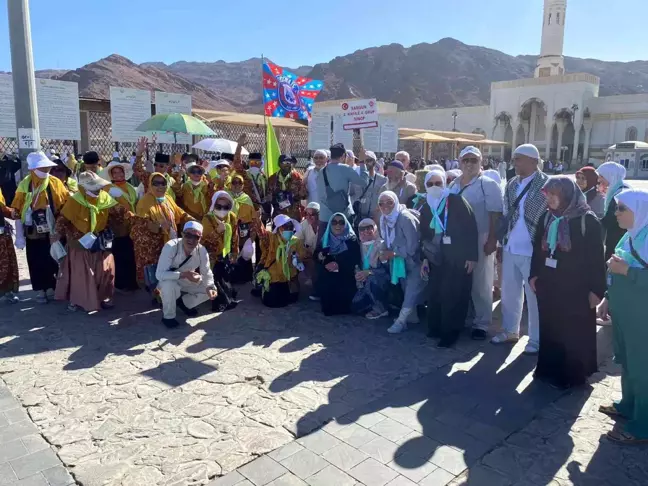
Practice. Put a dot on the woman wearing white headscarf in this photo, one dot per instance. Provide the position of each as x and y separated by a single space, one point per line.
221 239
373 276
627 304
400 230
450 252
611 183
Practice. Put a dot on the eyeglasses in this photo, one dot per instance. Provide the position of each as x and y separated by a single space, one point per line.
386 204
190 236
338 222
435 184
362 229
311 214
470 160
159 183
195 172
219 207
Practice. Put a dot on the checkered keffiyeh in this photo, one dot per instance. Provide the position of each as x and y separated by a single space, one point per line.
535 204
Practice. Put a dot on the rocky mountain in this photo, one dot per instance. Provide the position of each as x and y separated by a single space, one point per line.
446 73
236 81
95 78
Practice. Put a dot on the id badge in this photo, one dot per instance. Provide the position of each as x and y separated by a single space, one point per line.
447 240
244 233
42 228
609 279
2 230
363 200
551 262
284 204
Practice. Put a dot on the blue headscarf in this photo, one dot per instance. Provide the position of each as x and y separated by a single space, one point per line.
337 244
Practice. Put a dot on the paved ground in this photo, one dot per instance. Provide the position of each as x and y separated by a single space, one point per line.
123 401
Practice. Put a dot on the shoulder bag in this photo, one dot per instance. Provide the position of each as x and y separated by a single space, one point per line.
505 221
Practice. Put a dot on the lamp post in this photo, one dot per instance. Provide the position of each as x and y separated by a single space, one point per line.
454 120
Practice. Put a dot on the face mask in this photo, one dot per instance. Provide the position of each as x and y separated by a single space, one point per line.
367 243
195 183
255 170
41 174
435 191
287 235
160 199
221 213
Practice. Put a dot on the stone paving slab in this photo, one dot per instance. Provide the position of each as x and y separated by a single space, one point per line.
124 401
25 457
553 438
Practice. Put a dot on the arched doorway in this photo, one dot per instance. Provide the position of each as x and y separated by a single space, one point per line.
504 132
565 152
520 137
533 114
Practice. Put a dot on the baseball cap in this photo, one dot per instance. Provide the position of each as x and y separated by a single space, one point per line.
470 150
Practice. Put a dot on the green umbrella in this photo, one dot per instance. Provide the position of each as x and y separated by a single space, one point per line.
175 123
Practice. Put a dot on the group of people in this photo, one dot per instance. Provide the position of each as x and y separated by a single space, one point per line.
365 238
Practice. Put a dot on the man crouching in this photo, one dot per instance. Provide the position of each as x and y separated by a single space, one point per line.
184 275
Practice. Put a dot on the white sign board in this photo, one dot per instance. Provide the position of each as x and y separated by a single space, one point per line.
28 138
388 134
172 103
371 139
128 109
7 108
319 131
58 109
340 135
359 114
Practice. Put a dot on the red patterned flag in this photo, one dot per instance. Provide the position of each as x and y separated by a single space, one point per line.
286 95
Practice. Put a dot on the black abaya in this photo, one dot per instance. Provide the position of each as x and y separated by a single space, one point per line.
226 294
567 322
336 289
42 267
124 253
612 232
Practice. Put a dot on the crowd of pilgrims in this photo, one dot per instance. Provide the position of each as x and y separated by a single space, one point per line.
364 237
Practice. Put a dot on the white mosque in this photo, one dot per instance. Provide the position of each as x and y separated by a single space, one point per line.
561 113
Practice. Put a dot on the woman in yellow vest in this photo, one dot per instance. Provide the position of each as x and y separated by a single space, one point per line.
8 262
248 218
39 199
194 195
220 238
87 278
157 219
220 174
118 173
64 173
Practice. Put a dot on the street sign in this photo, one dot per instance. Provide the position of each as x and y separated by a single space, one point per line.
359 114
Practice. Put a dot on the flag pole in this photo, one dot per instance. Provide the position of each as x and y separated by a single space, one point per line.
265 122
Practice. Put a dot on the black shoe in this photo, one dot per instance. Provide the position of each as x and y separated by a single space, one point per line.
187 311
170 323
255 292
446 343
479 335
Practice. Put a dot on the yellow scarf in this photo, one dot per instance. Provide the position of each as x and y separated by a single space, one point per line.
282 180
29 195
130 193
227 236
259 180
198 193
77 217
242 198
283 253
170 182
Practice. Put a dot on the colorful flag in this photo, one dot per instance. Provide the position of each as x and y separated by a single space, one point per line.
272 150
286 95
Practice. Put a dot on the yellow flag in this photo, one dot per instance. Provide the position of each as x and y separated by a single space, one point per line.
272 150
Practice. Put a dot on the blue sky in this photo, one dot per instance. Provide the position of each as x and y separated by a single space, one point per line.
67 34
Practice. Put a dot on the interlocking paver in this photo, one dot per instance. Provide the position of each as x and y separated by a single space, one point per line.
438 477
355 435
390 429
304 463
8 403
11 450
373 473
34 443
15 415
262 471
34 463
287 479
231 479
381 449
330 476
412 466
319 442
286 451
449 459
370 419
7 475
58 476
344 456
401 481
35 480
17 430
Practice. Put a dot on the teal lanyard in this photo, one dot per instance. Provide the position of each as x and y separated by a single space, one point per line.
436 220
552 236
366 264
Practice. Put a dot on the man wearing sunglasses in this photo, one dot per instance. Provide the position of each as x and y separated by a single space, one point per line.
161 164
487 201
184 275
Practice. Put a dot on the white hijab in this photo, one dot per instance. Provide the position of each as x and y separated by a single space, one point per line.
221 195
432 201
637 201
614 174
388 222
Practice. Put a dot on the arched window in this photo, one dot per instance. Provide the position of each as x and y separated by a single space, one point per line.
631 134
549 21
558 18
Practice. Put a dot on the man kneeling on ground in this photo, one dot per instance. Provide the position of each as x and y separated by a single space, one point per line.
185 279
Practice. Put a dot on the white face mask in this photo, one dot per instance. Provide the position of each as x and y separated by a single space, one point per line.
255 170
435 191
221 213
195 183
41 174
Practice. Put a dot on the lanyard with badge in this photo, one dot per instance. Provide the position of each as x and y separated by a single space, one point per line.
552 242
446 239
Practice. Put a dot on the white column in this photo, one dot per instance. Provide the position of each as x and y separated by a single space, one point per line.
588 136
574 159
514 139
548 137
561 124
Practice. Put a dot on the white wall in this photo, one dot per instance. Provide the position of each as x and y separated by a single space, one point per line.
468 119
614 115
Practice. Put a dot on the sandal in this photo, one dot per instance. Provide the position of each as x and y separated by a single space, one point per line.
610 410
622 437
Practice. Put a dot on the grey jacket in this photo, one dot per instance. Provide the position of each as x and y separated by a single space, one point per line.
340 178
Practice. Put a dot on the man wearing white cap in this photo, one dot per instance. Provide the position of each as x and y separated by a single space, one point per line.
485 198
178 282
404 158
320 159
39 199
524 205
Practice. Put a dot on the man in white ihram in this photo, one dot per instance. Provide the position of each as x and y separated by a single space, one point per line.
185 279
